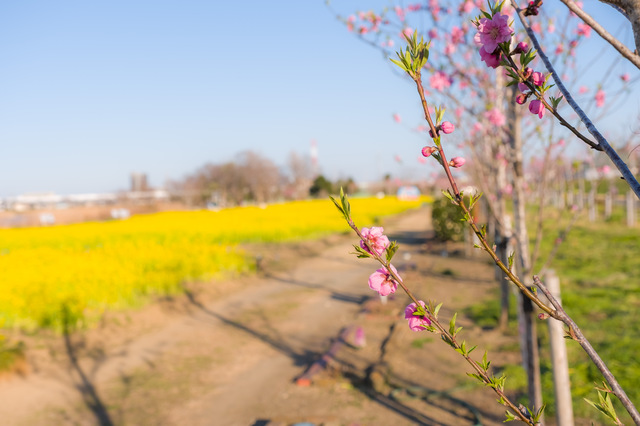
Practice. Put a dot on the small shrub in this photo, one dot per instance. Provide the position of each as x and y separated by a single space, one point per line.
447 220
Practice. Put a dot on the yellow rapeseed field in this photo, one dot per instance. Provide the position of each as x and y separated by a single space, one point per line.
83 269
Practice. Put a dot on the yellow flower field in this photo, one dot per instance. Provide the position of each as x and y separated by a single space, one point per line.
86 268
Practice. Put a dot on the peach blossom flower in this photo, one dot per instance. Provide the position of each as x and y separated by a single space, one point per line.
382 281
376 239
416 322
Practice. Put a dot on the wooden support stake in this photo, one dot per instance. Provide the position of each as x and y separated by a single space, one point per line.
560 364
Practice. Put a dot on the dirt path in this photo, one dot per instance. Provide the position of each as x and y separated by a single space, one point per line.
204 359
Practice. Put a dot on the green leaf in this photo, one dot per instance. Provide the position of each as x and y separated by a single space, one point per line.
448 194
391 250
436 310
362 254
398 63
452 325
337 205
477 376
509 417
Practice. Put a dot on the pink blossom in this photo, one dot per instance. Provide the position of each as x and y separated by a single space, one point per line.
508 189
625 77
477 127
376 239
449 49
466 7
428 150
560 142
536 107
458 112
599 98
396 118
399 12
422 160
521 99
457 35
433 33
439 81
382 281
583 29
406 33
559 49
491 59
492 32
537 78
523 87
457 162
583 90
447 127
605 170
495 117
536 27
551 28
416 322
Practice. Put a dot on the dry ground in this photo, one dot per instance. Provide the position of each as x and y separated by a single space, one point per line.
229 353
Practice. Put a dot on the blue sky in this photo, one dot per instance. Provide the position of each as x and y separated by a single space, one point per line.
92 91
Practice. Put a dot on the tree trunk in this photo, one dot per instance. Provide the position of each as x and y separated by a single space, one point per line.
526 313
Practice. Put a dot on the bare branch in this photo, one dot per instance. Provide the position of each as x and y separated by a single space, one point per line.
617 44
631 10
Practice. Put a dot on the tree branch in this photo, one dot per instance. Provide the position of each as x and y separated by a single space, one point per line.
617 44
602 141
631 10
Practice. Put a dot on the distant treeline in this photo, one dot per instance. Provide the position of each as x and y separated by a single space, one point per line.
253 178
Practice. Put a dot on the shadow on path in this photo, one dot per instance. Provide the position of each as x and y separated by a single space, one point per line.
88 391
307 357
299 359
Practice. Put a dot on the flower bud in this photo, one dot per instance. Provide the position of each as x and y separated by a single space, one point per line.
447 127
457 162
526 73
521 48
521 98
428 150
536 107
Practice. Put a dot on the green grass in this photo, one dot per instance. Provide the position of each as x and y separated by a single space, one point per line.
599 270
